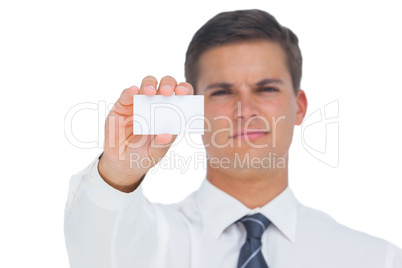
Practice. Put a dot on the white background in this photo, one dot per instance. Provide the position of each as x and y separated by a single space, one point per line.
57 54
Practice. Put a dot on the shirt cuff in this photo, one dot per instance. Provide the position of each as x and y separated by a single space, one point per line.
104 195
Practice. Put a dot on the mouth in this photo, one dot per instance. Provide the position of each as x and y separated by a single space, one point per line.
250 134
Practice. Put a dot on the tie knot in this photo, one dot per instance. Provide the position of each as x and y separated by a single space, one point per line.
255 225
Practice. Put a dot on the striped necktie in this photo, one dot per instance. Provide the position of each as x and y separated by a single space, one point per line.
250 253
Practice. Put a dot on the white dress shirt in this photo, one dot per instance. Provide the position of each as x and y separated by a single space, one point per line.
108 228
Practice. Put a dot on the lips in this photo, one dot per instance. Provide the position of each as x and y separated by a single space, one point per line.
250 134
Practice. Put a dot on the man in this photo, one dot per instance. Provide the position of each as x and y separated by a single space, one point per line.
248 67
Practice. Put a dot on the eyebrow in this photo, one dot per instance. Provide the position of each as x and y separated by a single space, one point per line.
225 85
219 85
267 81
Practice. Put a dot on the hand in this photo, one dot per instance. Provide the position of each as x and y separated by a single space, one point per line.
128 157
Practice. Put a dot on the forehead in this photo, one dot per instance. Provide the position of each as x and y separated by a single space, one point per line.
244 62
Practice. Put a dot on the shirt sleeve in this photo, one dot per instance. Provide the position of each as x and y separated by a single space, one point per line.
394 257
105 227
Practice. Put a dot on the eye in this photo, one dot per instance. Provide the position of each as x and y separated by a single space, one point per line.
268 89
221 92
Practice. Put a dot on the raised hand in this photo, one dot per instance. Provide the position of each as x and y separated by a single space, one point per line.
128 157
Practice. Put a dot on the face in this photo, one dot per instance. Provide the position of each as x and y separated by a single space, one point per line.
250 104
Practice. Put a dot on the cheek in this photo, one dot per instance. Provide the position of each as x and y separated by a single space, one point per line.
281 120
217 125
272 111
284 109
217 116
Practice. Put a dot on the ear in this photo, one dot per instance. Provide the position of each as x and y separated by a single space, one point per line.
301 101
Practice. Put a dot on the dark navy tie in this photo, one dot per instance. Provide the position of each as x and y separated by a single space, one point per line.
250 253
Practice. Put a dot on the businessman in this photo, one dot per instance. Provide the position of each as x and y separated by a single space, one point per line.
248 68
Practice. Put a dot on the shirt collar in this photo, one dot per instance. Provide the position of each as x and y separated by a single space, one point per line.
220 210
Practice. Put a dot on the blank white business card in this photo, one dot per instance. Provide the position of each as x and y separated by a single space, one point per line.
174 114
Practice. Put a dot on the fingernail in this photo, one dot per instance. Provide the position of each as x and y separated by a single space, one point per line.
150 87
167 87
149 91
183 89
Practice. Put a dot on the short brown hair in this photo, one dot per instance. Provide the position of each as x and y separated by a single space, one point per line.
238 26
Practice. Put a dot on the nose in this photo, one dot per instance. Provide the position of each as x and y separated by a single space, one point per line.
245 107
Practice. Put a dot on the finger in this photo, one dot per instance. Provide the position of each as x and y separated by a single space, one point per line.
148 86
184 88
125 102
167 86
126 97
164 139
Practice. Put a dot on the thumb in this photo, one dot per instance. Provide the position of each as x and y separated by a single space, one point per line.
163 139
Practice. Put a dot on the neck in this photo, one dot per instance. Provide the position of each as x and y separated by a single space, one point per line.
253 187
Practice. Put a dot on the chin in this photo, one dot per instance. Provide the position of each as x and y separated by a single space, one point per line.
242 160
